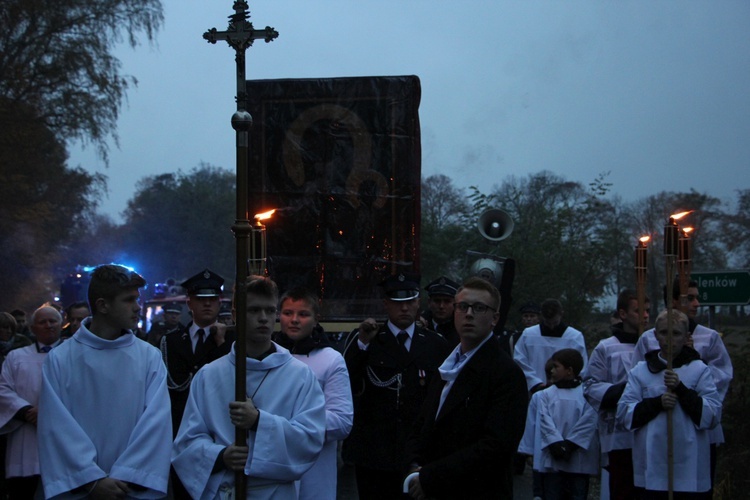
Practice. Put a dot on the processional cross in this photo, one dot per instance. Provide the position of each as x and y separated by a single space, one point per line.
240 35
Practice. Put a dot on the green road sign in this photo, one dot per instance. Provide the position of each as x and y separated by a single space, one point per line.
723 288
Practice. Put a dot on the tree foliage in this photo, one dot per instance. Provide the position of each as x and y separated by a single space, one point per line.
736 234
442 240
178 224
442 203
43 206
574 242
557 241
55 57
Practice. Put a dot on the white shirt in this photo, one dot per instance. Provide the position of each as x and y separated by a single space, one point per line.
452 366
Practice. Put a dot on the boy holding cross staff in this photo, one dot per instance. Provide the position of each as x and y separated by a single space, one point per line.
679 383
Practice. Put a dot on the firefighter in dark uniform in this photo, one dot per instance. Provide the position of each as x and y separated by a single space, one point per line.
439 314
187 349
390 367
225 315
170 321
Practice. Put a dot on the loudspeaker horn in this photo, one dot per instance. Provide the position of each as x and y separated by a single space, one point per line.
495 224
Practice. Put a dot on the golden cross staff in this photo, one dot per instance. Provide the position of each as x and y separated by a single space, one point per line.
240 35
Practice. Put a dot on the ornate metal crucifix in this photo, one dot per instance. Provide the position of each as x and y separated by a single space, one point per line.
240 35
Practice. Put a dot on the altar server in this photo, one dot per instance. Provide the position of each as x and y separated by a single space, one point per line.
104 406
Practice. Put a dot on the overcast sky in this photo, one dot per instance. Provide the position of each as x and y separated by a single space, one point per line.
655 92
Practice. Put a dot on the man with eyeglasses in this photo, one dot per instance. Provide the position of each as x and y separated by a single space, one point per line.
390 367
284 414
474 414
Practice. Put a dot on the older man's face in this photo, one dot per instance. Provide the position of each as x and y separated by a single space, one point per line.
46 325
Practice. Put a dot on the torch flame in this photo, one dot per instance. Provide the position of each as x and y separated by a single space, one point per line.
265 215
687 230
644 239
681 215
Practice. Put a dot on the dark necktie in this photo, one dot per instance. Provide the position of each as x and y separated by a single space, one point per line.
402 338
199 345
45 348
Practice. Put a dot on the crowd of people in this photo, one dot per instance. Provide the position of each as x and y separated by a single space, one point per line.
435 403
610 411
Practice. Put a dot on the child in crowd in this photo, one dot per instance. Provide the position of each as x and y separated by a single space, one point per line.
567 431
688 389
530 443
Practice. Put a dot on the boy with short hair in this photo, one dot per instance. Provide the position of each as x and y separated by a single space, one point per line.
567 431
530 448
539 342
688 389
284 414
104 407
603 384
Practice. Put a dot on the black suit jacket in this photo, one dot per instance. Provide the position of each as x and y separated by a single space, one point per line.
467 452
182 364
389 386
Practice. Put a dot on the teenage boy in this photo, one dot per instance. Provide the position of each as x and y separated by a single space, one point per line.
688 389
539 342
705 341
284 414
104 407
604 381
464 440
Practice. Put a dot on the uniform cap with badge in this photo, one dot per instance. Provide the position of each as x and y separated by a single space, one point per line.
443 286
225 311
173 307
204 284
401 287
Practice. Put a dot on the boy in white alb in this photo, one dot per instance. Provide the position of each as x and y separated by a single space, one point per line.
104 407
539 342
530 445
568 441
690 392
604 383
284 414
